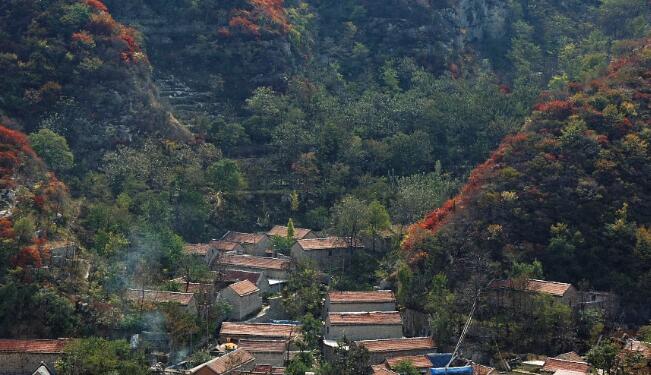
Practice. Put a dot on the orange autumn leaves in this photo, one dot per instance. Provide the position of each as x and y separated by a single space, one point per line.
45 197
261 16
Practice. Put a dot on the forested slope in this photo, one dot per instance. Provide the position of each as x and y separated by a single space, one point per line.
571 190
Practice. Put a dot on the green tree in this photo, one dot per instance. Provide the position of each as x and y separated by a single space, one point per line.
225 176
378 220
603 356
406 368
303 293
440 307
95 355
53 149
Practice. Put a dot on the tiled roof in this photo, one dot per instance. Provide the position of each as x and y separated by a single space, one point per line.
159 296
226 363
262 370
418 361
283 331
379 296
326 243
393 345
382 370
224 245
263 346
365 318
536 286
244 288
243 238
196 248
567 372
554 364
478 369
279 230
192 287
32 346
255 262
234 275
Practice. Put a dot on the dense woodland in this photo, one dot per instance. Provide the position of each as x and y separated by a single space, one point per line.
519 130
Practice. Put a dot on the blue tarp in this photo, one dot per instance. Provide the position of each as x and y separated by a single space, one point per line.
439 359
465 370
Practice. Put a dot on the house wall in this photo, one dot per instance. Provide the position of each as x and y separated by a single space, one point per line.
273 359
325 260
258 249
24 363
241 306
360 307
363 332
269 273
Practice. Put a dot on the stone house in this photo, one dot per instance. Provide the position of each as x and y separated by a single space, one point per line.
380 350
379 300
328 253
235 332
19 357
355 326
267 352
509 292
272 268
299 233
204 251
243 297
258 244
155 297
237 360
227 277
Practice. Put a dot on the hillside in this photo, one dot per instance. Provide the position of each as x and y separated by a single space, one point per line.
69 66
570 190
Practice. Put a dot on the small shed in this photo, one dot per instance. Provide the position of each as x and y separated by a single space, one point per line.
155 297
243 297
267 352
234 332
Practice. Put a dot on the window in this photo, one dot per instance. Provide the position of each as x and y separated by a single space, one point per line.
329 253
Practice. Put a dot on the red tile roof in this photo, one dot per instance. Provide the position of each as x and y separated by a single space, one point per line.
234 275
536 286
382 370
394 345
243 238
225 363
379 296
244 288
196 248
282 331
159 296
261 263
279 230
326 243
554 364
418 361
365 318
263 346
224 245
192 287
33 346
478 369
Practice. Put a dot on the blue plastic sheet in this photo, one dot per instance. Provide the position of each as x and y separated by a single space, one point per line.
439 359
465 370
